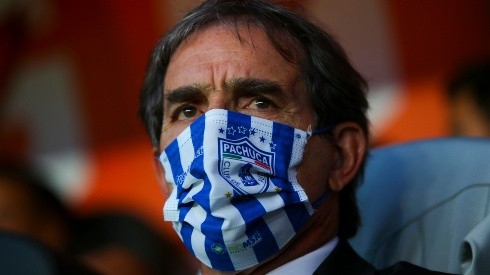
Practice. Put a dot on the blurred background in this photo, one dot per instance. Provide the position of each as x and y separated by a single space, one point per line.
70 73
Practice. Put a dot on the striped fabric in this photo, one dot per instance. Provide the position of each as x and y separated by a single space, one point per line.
236 200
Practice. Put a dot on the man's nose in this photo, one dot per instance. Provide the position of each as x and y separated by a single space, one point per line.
220 100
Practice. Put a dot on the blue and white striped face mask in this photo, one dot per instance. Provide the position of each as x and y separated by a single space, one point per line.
236 200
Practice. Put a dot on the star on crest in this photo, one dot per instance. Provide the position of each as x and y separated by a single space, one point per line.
262 139
231 131
252 131
242 130
272 145
228 194
221 130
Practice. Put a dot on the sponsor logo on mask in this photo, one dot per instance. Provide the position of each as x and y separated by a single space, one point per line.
218 248
244 166
254 240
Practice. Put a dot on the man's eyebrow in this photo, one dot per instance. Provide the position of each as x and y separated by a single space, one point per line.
237 86
252 86
188 93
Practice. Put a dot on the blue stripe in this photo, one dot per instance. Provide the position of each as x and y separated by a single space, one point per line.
221 261
175 164
298 215
268 245
283 137
186 233
240 127
249 207
197 135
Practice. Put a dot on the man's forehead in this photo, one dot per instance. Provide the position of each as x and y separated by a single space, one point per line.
240 35
246 49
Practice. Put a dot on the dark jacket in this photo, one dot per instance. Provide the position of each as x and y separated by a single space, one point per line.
344 261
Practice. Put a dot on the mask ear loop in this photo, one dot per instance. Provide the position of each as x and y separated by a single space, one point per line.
327 192
324 130
322 198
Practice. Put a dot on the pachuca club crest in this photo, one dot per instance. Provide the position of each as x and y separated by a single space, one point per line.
244 166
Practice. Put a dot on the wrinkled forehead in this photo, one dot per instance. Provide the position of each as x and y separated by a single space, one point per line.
241 50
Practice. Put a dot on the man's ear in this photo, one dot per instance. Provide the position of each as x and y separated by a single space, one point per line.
160 172
350 144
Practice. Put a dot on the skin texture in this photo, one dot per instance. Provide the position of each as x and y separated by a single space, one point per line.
213 69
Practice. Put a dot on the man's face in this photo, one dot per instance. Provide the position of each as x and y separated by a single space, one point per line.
212 69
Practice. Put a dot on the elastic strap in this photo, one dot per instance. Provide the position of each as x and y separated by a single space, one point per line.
324 130
321 199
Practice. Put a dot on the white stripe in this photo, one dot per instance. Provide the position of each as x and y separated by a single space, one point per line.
186 148
169 177
279 223
214 122
278 220
244 259
296 157
264 128
220 205
240 258
271 201
177 227
187 152
197 238
217 120
170 210
235 236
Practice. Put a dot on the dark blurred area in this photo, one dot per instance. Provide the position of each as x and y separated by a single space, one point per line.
35 225
119 244
27 207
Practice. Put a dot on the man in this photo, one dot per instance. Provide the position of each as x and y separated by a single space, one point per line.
259 128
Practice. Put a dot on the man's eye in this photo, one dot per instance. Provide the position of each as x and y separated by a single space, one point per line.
186 113
262 103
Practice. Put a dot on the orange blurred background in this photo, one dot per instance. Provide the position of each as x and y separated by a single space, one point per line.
70 73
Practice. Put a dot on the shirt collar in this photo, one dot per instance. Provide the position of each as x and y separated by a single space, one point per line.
307 264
